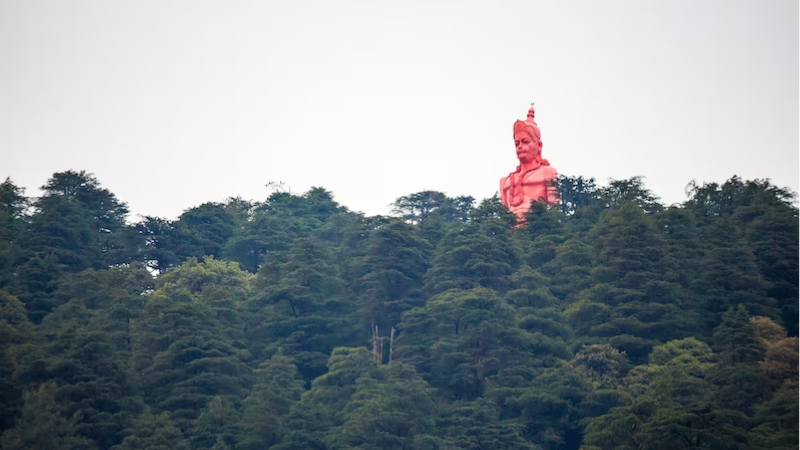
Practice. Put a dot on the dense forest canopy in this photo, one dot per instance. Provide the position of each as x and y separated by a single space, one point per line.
608 322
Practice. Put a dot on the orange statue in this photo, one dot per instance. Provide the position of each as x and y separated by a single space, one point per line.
532 179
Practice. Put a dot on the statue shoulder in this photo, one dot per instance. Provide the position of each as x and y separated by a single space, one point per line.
504 183
506 179
541 174
549 171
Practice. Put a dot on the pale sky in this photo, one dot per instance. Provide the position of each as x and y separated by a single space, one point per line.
175 103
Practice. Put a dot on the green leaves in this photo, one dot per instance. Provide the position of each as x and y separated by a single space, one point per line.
735 338
43 426
603 365
418 207
608 323
472 256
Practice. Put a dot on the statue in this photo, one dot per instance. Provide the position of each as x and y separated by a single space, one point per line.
534 175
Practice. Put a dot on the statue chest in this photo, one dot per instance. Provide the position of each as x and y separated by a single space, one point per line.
521 189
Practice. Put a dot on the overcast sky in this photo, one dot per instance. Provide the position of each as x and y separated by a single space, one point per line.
175 103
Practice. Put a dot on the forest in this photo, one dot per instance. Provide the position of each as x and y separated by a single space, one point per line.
610 321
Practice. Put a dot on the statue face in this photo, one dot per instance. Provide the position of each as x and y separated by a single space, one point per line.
526 147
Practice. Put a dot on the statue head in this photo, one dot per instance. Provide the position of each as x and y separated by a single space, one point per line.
528 140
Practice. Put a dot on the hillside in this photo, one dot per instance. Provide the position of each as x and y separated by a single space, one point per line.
610 322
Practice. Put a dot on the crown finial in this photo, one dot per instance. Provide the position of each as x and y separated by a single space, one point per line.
531 114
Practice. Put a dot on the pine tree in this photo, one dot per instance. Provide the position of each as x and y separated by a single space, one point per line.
203 231
575 193
417 208
190 346
390 408
477 254
735 339
152 432
546 230
14 210
387 275
776 421
300 308
312 418
741 383
730 275
465 342
476 425
217 425
43 425
15 334
277 387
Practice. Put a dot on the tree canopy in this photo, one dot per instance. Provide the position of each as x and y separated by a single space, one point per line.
609 321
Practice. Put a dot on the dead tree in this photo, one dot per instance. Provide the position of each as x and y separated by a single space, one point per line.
391 344
377 345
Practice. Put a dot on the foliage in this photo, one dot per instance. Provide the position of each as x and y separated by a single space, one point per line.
607 322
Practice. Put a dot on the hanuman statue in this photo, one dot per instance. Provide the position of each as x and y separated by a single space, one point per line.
534 175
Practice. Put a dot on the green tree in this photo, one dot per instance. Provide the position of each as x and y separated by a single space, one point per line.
466 341
477 254
602 364
88 350
741 384
630 251
43 425
311 419
552 408
771 229
388 273
735 339
547 230
575 193
636 299
160 243
152 432
730 275
491 211
75 225
15 335
418 207
277 387
780 361
106 213
14 209
306 281
570 272
61 239
109 213
676 373
776 421
299 307
203 230
764 216
476 425
192 346
679 227
13 205
217 425
391 407
630 191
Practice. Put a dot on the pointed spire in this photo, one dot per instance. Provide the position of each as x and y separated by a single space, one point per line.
531 114
529 124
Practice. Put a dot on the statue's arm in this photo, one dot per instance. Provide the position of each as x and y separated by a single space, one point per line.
552 189
503 198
